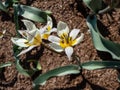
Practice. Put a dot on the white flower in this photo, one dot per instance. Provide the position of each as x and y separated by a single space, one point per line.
31 37
47 29
30 26
66 40
2 33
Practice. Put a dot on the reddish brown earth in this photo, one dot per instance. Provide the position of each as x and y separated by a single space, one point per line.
74 13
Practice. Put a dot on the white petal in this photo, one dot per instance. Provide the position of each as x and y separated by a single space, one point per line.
36 37
79 39
74 33
54 39
29 25
62 28
56 47
23 33
31 34
26 50
49 21
19 41
53 30
43 30
69 52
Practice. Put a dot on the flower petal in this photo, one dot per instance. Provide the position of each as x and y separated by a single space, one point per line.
20 42
79 39
69 52
29 25
56 47
53 30
36 39
26 50
31 34
23 33
62 28
43 30
54 39
74 33
49 21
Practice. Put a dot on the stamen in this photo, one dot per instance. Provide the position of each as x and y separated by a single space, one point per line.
48 28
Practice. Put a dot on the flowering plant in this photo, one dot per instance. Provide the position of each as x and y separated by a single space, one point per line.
31 37
66 39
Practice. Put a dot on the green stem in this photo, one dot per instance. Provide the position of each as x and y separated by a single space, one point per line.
15 6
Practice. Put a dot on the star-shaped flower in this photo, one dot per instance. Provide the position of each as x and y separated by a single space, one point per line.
47 29
31 37
66 39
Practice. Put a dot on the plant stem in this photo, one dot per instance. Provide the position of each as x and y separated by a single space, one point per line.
15 6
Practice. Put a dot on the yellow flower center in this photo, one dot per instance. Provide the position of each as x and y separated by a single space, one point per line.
66 41
45 36
36 41
48 28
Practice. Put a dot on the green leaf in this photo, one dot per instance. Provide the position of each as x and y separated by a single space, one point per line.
38 66
100 42
37 63
2 7
2 65
20 69
93 65
5 64
9 3
15 6
94 5
33 13
64 70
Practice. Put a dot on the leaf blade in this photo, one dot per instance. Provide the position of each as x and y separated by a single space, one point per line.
33 13
70 69
100 42
94 65
2 7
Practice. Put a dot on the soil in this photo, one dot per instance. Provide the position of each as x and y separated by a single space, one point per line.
74 13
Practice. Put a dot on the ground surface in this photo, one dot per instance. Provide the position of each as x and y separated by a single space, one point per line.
73 13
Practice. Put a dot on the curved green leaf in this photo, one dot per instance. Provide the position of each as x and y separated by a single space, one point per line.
93 65
2 7
64 70
19 67
33 13
2 65
100 42
38 66
94 5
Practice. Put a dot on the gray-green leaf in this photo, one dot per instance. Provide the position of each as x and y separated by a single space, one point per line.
94 5
2 65
100 42
64 70
33 13
93 65
2 7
